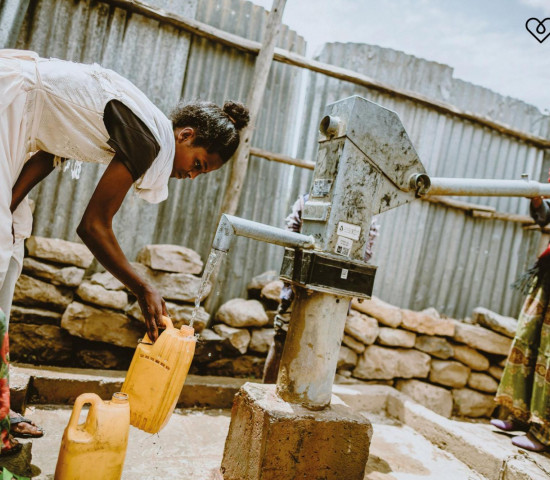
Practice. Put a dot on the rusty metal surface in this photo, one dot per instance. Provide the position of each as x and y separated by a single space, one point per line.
429 255
167 64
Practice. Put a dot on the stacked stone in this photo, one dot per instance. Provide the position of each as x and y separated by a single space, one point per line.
62 317
243 331
450 366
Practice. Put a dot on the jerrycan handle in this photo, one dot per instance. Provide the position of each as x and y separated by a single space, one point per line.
167 322
91 398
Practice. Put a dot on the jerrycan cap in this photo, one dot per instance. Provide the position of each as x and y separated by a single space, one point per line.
187 331
119 397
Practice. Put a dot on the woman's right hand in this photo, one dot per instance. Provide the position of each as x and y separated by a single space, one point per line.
153 308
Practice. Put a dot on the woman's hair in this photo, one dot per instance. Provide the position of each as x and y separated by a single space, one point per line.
216 129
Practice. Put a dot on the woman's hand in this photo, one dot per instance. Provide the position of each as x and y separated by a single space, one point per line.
153 308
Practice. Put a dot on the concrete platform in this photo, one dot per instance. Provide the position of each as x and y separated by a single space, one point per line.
409 442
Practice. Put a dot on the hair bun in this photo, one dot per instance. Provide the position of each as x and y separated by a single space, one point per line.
238 114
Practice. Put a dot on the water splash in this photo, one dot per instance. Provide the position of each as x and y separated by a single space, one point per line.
213 259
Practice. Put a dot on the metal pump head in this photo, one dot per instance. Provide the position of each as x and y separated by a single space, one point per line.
363 168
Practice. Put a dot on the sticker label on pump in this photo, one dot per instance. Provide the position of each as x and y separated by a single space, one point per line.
343 246
348 230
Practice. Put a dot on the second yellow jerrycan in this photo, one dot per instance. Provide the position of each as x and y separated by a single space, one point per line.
156 376
96 448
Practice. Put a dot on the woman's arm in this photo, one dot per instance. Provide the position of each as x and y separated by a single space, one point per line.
36 169
96 231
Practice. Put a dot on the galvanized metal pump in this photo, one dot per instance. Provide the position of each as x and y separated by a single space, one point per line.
366 165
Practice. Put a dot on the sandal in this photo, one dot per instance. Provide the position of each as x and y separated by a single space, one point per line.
528 442
509 425
16 419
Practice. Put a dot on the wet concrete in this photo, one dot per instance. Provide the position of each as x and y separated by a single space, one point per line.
191 448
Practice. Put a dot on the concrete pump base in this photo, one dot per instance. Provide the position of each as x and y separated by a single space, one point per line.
270 439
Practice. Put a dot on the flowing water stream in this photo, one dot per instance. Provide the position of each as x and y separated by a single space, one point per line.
213 259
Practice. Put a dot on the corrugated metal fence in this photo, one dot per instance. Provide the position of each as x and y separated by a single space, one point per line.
168 63
430 255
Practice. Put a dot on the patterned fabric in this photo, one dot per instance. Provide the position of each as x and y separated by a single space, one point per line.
524 388
4 387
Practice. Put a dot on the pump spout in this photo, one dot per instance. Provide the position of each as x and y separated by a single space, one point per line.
231 226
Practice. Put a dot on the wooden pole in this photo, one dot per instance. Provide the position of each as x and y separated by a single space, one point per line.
239 164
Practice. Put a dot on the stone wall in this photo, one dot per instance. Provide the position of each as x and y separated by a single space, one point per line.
450 366
62 316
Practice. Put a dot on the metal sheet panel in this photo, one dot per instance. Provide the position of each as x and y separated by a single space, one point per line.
167 63
429 255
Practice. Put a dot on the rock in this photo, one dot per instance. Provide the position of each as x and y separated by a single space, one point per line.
272 290
19 382
497 323
244 366
361 327
59 251
179 314
388 363
470 357
261 339
106 280
35 316
182 287
170 258
32 292
438 399
239 312
101 325
496 372
347 358
258 282
395 337
427 322
482 339
68 276
43 344
469 403
98 295
103 359
208 348
483 382
383 312
449 373
434 346
355 345
235 338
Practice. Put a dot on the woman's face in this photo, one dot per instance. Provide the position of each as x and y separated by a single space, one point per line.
190 161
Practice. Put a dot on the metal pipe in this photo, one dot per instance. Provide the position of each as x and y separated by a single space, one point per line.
312 346
231 226
485 187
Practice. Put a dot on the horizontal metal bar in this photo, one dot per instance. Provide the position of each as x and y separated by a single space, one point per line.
231 226
487 187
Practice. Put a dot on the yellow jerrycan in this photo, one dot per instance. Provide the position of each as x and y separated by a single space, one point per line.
157 374
96 448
